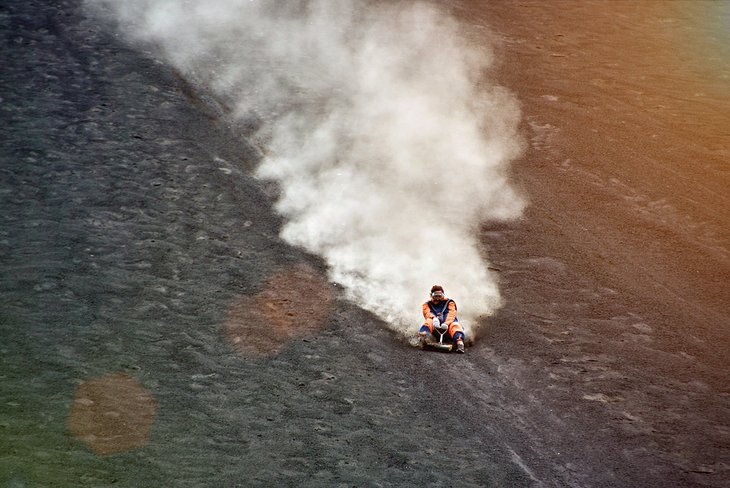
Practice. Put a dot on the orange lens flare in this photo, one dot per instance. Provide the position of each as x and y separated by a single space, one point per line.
112 414
294 303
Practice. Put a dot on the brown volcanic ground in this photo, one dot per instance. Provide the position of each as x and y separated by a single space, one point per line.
134 244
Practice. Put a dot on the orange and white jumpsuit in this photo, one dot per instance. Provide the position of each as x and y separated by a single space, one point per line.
445 310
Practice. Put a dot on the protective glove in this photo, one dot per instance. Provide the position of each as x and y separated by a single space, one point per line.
438 325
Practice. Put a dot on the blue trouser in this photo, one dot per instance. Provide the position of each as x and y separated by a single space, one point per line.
459 336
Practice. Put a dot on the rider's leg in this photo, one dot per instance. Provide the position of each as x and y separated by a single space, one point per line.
456 331
426 328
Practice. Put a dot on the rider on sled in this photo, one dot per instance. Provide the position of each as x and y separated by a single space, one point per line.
441 311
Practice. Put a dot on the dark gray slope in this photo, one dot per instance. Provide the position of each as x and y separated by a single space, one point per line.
131 224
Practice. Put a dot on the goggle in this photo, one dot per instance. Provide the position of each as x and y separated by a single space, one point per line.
437 294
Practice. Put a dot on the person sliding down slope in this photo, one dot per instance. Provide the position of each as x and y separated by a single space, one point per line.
441 311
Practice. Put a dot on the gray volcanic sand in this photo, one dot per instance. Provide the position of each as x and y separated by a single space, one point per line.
134 239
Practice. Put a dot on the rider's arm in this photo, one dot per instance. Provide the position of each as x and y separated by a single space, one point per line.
427 314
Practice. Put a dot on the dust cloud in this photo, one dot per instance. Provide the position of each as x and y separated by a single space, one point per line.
378 124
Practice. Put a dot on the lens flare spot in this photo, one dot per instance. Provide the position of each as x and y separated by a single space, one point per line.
294 303
112 414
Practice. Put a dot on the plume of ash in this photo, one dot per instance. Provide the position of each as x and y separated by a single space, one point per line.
388 145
